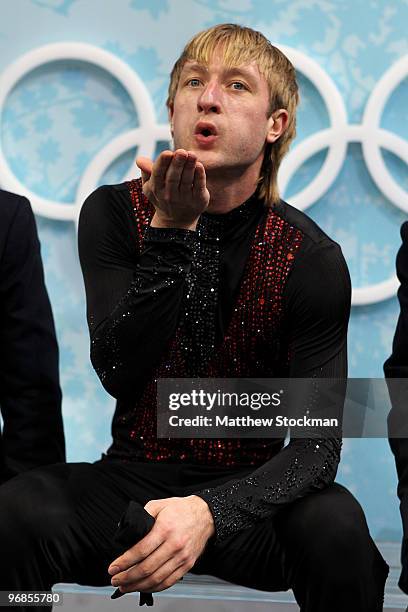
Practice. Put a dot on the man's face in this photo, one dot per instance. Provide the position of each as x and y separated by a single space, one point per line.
234 103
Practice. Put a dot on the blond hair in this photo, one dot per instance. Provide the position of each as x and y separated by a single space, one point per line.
241 45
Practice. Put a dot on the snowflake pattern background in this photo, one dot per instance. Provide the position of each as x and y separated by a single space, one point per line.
60 115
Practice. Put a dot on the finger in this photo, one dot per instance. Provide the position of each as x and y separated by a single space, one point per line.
160 168
138 572
138 552
169 581
199 183
164 577
187 176
146 165
174 173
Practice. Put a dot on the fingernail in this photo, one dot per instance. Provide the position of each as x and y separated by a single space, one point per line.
113 569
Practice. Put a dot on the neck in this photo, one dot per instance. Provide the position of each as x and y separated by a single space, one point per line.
228 192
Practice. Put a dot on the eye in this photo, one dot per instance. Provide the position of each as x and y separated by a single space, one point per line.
190 81
239 83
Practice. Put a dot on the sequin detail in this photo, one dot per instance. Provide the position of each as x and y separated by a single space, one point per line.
312 464
252 345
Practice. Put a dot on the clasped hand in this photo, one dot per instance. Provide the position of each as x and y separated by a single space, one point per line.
176 186
182 528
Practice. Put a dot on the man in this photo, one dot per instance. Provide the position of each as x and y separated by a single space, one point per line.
396 366
30 395
204 271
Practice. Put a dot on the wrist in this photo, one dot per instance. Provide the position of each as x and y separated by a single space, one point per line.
170 224
206 515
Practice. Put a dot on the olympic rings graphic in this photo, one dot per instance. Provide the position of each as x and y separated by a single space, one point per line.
335 138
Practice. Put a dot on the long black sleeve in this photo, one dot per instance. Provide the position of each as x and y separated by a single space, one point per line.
30 395
133 299
317 299
396 366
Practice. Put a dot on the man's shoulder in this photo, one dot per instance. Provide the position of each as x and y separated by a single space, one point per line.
119 192
110 209
404 234
15 211
311 231
108 200
105 191
11 203
402 257
318 253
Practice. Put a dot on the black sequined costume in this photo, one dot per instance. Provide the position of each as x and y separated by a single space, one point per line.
253 292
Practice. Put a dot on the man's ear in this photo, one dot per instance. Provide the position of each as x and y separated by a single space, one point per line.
277 124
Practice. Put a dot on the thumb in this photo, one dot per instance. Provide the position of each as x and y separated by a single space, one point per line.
154 506
146 165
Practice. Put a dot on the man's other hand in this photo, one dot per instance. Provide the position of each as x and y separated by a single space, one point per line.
182 528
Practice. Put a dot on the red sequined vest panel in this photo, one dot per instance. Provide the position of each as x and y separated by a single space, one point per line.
248 348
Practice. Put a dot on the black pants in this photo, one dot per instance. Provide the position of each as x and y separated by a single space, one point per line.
57 525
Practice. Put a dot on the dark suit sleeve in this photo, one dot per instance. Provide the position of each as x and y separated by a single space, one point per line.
396 366
30 395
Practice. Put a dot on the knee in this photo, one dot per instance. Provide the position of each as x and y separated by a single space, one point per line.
342 545
332 535
331 556
31 504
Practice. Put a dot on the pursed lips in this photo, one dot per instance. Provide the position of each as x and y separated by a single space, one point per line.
205 133
206 129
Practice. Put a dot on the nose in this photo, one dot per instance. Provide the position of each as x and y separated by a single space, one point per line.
210 99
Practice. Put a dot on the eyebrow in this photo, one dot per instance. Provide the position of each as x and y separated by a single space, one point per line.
227 71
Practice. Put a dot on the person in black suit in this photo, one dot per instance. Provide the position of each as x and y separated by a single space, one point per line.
396 366
30 394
